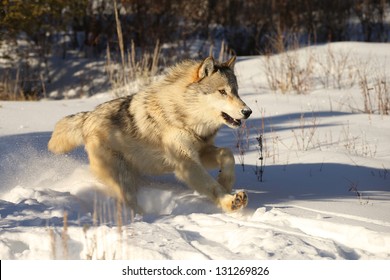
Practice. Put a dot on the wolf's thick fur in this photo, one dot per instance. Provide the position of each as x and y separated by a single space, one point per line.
169 127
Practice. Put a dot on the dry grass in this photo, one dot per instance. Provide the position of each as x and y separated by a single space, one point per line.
11 85
23 71
104 237
65 237
304 136
100 242
335 68
289 71
133 73
242 143
52 244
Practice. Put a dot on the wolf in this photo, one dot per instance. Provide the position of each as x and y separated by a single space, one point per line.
169 127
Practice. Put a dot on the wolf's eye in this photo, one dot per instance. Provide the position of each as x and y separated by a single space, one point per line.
222 91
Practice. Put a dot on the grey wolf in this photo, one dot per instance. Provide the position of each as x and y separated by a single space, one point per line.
168 127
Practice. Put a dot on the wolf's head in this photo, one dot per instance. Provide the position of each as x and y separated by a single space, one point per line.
218 83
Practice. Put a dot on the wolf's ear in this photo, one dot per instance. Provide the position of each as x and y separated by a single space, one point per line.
230 63
206 68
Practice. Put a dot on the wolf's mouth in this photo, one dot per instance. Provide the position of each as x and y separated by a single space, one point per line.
230 121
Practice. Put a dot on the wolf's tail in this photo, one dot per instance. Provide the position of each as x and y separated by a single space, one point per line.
67 134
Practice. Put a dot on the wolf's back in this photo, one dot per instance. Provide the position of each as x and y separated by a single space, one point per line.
67 134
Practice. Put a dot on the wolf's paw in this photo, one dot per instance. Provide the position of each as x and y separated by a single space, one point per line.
233 202
240 200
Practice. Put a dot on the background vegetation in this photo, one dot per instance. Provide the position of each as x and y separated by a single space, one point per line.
248 27
178 28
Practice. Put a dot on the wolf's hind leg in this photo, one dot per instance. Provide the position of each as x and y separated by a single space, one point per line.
222 158
114 171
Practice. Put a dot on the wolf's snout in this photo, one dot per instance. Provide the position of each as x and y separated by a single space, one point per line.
246 112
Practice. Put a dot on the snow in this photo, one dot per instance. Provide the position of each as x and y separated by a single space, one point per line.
325 192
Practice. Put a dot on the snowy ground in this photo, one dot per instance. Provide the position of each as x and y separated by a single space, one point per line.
325 192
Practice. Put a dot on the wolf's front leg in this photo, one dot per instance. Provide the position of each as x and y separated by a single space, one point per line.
197 177
213 157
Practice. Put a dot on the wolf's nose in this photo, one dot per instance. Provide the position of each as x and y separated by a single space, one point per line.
246 112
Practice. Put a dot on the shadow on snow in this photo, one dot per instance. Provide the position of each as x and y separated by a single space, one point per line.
27 154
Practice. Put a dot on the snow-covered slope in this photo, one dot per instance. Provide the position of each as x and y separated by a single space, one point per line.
325 192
